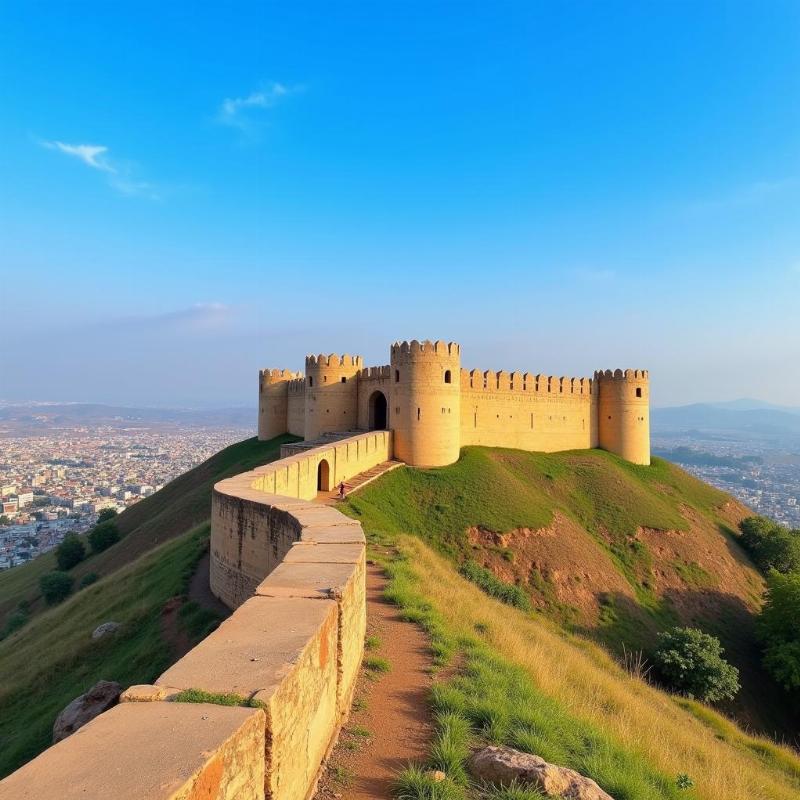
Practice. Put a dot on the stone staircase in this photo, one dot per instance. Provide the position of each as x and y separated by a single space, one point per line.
358 482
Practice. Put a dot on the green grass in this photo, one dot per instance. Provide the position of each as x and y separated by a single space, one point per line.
501 490
53 659
507 593
376 664
523 684
372 643
216 698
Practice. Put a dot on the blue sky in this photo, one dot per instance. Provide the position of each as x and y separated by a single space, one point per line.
191 191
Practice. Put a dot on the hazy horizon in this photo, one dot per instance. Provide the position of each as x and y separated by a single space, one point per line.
188 195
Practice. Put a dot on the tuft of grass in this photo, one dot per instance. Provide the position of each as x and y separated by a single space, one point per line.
216 698
342 775
360 730
507 593
414 783
450 749
512 791
372 643
377 664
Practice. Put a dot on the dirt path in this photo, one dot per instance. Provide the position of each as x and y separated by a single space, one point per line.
391 707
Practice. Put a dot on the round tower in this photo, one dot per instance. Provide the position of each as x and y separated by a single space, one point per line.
623 413
425 402
273 387
331 393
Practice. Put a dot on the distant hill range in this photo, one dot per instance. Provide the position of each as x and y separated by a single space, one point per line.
40 416
742 416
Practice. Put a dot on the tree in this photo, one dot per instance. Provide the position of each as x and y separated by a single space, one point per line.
779 630
770 545
4 520
691 662
103 536
56 587
89 579
106 514
70 552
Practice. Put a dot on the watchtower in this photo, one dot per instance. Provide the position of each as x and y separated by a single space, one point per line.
623 413
331 393
425 402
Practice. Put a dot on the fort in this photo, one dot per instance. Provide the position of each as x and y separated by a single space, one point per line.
434 407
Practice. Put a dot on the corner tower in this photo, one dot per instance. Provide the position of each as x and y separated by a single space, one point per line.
331 393
273 397
425 402
623 413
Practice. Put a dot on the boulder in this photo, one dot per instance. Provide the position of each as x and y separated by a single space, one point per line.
502 765
85 708
103 630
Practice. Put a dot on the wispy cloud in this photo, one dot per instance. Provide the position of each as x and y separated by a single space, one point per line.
749 195
246 113
119 175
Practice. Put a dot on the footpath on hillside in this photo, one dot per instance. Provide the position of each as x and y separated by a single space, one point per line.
389 724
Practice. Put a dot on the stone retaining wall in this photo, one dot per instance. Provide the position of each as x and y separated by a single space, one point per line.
294 572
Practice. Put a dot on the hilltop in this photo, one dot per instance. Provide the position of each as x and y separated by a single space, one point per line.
602 548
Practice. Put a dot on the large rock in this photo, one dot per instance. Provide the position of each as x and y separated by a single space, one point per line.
103 630
85 708
502 765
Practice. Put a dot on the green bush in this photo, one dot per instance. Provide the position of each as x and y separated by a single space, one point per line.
691 662
779 629
507 593
56 587
70 552
106 514
770 545
103 536
88 579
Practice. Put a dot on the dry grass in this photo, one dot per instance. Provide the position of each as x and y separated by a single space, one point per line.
594 689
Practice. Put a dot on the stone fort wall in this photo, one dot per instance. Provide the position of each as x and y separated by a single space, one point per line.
294 571
434 407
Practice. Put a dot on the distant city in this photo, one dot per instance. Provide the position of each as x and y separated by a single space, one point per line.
60 465
58 472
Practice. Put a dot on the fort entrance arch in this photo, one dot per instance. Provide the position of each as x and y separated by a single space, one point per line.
378 416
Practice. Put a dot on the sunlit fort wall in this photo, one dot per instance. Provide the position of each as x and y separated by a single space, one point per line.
434 407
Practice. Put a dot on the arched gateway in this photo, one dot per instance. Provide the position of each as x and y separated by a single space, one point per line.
378 420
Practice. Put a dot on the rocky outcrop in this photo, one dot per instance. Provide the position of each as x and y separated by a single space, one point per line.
503 765
85 708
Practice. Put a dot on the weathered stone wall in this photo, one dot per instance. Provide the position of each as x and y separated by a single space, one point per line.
529 412
295 573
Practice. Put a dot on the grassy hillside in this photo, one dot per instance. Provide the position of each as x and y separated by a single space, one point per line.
602 547
170 512
143 585
520 681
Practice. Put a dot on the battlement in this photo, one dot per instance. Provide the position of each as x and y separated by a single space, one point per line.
333 360
523 382
267 376
297 385
375 373
620 375
404 351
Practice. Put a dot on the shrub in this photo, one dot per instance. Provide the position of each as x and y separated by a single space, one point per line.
56 587
691 662
88 579
770 545
106 514
778 628
70 552
103 536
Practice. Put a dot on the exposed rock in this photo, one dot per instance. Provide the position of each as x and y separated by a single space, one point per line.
103 630
502 765
143 693
85 708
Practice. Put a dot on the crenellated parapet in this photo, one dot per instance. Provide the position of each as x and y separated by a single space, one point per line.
623 413
402 352
621 375
334 360
523 382
375 373
271 376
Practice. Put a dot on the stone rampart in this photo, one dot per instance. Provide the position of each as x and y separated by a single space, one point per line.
294 571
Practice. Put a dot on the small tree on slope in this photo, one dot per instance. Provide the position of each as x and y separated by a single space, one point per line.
691 662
